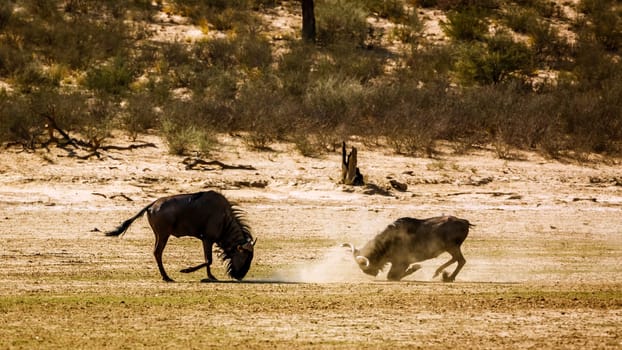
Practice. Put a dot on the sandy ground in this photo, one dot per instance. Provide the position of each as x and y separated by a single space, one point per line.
543 260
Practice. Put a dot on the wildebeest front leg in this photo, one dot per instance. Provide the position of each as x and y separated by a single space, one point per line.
207 251
411 269
399 271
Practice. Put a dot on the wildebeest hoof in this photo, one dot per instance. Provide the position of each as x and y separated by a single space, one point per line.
169 280
446 277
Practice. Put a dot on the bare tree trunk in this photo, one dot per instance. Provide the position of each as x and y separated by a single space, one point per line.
350 174
308 21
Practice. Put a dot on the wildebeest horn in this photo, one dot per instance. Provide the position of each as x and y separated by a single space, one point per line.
255 241
349 245
361 260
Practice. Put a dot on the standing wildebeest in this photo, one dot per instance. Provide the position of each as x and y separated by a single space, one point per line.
409 240
207 216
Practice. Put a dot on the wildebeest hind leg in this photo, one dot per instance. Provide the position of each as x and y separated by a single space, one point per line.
161 240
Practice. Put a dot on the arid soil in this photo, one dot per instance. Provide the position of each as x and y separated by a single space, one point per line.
543 259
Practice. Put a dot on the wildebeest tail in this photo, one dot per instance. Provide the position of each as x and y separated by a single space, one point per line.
124 226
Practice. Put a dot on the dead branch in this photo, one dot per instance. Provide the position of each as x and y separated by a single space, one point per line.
128 148
122 196
200 164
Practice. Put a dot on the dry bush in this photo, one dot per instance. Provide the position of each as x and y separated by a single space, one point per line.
352 62
462 4
498 59
114 77
183 131
466 25
140 114
342 22
330 101
520 19
18 123
294 68
263 111
391 9
550 48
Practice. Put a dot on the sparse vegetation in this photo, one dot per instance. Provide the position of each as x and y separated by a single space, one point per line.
507 76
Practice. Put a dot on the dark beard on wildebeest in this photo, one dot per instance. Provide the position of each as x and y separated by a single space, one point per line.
208 216
239 272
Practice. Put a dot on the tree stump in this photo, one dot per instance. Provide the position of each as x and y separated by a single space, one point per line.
350 173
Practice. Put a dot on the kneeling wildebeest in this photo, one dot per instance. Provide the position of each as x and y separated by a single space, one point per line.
408 240
208 216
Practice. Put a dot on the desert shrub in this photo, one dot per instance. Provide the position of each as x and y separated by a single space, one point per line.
12 58
77 41
294 67
592 117
89 117
466 25
223 15
180 139
409 28
415 132
341 21
6 12
419 119
521 19
114 77
17 122
140 114
332 100
427 3
548 45
498 60
305 145
312 140
358 64
392 9
226 19
215 102
605 23
430 63
464 4
32 76
219 52
592 66
544 8
176 53
256 111
183 130
97 123
253 51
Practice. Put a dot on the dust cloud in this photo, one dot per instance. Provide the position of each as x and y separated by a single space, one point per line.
336 265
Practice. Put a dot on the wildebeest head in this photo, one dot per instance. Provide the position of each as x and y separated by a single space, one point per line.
240 259
364 263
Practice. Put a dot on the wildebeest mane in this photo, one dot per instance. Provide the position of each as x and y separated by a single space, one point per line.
236 231
401 229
